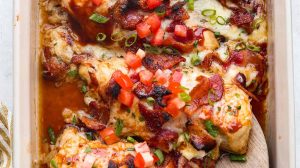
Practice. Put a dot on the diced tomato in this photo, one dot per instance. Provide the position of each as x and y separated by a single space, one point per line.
175 87
109 136
126 97
97 2
141 147
146 77
133 60
141 53
180 30
174 106
158 37
143 29
153 3
154 21
161 77
139 161
176 77
123 80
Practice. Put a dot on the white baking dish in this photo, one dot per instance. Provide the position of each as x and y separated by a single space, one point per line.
280 123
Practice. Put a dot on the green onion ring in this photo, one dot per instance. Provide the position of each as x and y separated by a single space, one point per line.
133 37
98 18
100 37
257 22
253 48
118 36
240 46
221 21
209 12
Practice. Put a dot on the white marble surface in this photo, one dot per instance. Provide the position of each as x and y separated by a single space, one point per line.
6 60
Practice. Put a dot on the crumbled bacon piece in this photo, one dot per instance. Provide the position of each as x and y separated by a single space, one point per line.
154 62
142 91
183 47
177 12
242 18
54 69
162 139
92 123
154 118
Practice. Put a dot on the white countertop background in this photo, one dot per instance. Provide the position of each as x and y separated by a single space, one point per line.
6 60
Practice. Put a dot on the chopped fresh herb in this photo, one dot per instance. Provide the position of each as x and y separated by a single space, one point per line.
130 40
211 129
88 150
130 149
83 89
74 120
100 37
73 73
240 46
170 50
237 95
160 11
195 60
196 43
253 48
90 136
217 33
150 100
128 110
209 12
191 5
239 107
185 97
237 158
119 127
98 18
229 107
118 36
160 156
221 21
151 49
186 136
130 139
51 136
219 108
53 164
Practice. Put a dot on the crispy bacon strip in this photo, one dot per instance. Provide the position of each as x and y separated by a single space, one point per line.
154 62
242 18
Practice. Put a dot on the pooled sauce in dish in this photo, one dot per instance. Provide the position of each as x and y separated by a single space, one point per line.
150 83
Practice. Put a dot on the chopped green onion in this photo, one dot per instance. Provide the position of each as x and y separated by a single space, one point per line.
130 149
196 43
73 73
191 5
209 12
53 164
240 46
256 23
90 136
160 156
151 49
141 118
98 18
186 136
130 139
160 11
211 129
88 150
170 50
184 88
217 33
74 120
51 136
239 107
221 21
253 48
150 100
237 158
130 40
117 36
100 37
185 97
83 89
195 60
119 127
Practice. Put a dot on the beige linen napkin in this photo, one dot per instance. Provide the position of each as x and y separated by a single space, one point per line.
5 137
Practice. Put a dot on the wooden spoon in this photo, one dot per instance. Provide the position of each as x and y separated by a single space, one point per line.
257 155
